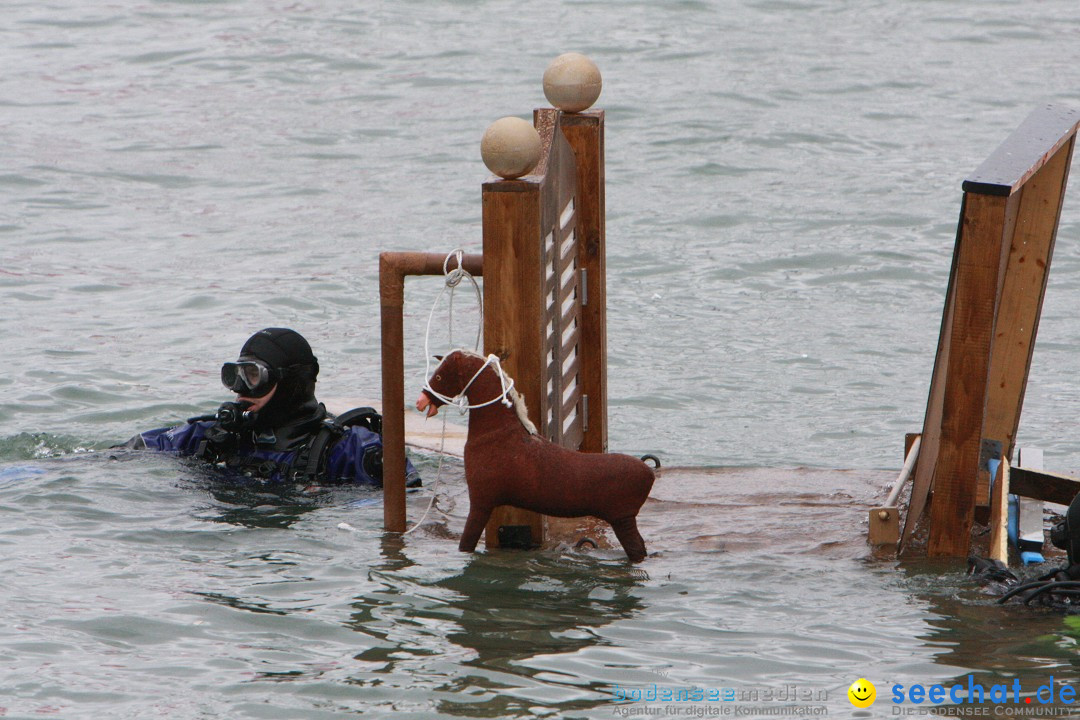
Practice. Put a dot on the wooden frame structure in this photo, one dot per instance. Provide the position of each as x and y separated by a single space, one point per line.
1004 244
541 279
394 267
545 300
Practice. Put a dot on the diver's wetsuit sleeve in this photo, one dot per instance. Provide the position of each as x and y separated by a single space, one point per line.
357 458
346 460
182 439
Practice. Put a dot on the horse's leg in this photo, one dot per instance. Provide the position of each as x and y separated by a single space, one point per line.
631 540
474 525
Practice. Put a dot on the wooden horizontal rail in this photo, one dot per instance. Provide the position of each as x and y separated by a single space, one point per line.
1042 485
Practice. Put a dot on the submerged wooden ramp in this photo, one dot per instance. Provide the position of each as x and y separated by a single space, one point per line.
419 431
1004 245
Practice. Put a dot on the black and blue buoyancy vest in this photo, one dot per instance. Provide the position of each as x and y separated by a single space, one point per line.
297 451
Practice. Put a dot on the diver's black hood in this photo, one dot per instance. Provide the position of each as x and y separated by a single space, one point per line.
294 400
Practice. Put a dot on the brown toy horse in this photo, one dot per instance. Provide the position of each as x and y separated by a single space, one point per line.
507 463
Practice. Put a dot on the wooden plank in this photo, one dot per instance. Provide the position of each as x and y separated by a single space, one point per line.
574 368
1045 138
982 487
507 516
567 291
513 306
585 133
1043 485
956 476
999 514
923 474
1030 252
1025 151
545 120
884 526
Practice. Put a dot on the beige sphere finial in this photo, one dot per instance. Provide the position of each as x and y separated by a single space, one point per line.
572 82
510 147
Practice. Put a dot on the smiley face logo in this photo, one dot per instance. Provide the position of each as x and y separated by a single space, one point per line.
862 693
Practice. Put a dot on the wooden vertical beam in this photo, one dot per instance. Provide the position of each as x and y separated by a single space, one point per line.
923 476
999 514
1030 252
976 290
392 302
1004 243
513 297
585 133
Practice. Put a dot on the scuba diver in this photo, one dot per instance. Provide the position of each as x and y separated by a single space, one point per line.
275 430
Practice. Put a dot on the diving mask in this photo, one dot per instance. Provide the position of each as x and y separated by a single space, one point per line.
250 378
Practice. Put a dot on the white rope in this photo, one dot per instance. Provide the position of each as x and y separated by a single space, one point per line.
435 485
461 400
452 278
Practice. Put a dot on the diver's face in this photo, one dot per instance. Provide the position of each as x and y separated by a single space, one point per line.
258 403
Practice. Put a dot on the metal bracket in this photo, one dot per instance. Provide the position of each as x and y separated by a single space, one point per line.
989 450
584 413
584 287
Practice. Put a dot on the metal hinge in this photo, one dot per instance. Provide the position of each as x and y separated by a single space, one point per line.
584 287
584 413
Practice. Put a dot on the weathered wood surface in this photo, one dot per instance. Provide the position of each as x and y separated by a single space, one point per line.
1004 245
532 295
394 267
955 482
1030 251
513 306
923 476
1044 485
585 133
999 514
1025 151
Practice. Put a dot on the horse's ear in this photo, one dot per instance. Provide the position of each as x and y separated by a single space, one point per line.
438 357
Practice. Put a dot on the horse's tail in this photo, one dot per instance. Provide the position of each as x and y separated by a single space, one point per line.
656 461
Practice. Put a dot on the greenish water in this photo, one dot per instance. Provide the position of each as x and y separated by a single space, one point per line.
783 190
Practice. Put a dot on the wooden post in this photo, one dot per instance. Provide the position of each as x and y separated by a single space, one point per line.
585 133
1030 252
392 304
1005 241
999 514
979 264
513 309
544 292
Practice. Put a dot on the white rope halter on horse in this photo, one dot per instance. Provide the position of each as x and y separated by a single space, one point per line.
461 400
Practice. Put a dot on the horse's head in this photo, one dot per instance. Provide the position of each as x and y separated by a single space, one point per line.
463 369
449 380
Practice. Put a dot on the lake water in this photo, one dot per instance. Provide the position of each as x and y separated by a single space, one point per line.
783 191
